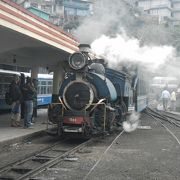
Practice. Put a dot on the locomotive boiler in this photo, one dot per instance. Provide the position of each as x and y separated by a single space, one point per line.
92 98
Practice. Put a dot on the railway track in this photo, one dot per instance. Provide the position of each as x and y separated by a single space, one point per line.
167 120
85 161
53 159
165 116
171 115
29 167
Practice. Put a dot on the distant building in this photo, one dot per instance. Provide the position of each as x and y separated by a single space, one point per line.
160 8
167 11
72 12
64 13
39 13
176 12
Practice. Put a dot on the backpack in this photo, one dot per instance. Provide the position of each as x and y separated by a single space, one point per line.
8 98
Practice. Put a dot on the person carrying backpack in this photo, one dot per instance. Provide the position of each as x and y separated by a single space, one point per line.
16 95
28 93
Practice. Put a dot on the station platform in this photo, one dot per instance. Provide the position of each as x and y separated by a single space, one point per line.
10 135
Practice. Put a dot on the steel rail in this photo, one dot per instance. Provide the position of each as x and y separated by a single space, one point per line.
171 115
8 166
148 112
164 117
54 161
51 161
101 157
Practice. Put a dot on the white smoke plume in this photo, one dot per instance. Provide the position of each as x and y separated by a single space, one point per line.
132 28
132 123
124 49
108 18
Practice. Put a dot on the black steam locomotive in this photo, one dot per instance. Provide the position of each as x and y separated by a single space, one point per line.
92 98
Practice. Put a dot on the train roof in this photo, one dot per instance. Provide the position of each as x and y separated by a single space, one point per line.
8 71
45 76
40 76
117 73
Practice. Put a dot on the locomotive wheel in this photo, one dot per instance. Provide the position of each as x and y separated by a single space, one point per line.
53 113
110 117
87 131
122 110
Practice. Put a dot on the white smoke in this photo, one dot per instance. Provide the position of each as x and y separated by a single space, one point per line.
132 123
106 17
122 48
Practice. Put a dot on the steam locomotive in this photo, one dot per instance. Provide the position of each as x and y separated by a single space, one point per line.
93 98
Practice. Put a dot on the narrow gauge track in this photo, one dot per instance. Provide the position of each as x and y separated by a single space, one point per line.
164 116
102 155
172 116
86 160
10 164
28 167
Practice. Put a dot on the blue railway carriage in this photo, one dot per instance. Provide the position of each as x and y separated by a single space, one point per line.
141 98
5 79
44 89
134 92
45 85
122 83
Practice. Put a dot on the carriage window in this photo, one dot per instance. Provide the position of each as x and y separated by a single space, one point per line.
7 79
43 83
45 86
49 90
49 83
39 90
43 89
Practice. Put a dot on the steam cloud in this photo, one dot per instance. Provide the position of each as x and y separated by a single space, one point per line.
132 123
107 18
122 48
115 32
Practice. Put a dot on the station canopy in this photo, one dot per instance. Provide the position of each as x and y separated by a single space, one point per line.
27 40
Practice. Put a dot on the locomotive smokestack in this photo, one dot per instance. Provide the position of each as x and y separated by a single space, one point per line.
85 48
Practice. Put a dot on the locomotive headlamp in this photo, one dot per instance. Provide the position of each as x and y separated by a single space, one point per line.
77 60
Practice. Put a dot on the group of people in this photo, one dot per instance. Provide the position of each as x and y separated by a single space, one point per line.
22 94
167 97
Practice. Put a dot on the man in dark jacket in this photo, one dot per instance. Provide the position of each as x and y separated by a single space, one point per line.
28 93
16 95
22 84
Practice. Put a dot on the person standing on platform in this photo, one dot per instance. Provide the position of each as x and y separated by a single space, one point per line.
28 92
165 96
22 84
35 82
173 100
16 95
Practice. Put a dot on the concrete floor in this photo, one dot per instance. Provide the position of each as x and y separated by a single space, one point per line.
142 155
8 133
